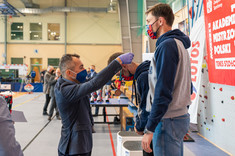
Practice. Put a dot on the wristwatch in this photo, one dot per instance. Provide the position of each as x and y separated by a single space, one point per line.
148 132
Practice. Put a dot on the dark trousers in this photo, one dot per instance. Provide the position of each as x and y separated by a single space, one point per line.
148 154
48 98
52 107
33 80
85 154
96 110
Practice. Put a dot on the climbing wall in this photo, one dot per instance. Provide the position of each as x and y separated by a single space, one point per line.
216 112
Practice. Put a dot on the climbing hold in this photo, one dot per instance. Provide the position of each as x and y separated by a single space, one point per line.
206 128
200 95
204 123
203 86
206 118
232 97
205 97
223 119
205 107
213 87
198 114
206 92
212 120
204 65
202 101
214 116
222 101
221 89
202 70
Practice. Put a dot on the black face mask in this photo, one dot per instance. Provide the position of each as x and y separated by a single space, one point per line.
52 71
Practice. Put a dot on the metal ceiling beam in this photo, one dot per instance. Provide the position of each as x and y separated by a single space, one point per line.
61 9
30 4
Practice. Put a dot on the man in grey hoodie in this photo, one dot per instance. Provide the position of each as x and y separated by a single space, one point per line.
169 84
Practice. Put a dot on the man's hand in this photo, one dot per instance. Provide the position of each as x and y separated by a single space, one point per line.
125 58
147 138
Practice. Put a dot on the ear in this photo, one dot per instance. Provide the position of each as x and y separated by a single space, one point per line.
161 20
68 73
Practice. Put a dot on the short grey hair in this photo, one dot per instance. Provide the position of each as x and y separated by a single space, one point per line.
49 68
66 62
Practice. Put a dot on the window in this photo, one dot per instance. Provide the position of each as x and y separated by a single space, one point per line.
53 31
16 60
35 31
177 5
17 31
53 62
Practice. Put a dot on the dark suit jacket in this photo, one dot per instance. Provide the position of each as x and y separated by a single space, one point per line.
91 75
74 107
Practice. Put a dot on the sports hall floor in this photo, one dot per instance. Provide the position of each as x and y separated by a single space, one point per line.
39 137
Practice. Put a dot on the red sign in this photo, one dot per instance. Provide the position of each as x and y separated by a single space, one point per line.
220 40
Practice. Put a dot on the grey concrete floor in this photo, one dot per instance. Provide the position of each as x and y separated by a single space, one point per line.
39 137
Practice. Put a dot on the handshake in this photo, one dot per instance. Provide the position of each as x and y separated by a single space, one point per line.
125 58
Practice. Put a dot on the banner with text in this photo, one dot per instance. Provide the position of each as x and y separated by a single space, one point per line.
220 40
196 53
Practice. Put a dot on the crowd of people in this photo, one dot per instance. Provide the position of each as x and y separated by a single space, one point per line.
163 87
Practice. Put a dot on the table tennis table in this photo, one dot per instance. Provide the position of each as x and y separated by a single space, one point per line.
113 102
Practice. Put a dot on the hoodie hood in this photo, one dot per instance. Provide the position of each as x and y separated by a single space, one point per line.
176 33
144 66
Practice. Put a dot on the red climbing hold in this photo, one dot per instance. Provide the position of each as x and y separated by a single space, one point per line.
232 97
200 95
221 89
203 86
223 119
205 97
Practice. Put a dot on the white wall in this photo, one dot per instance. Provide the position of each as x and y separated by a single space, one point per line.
94 28
213 110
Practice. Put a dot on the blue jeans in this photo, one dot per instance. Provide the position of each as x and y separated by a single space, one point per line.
169 134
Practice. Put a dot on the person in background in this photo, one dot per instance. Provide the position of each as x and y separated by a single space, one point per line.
88 70
46 88
8 144
89 76
169 84
72 98
138 73
92 73
53 105
33 75
42 73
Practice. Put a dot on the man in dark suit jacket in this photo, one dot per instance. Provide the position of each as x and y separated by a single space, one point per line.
92 72
72 99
